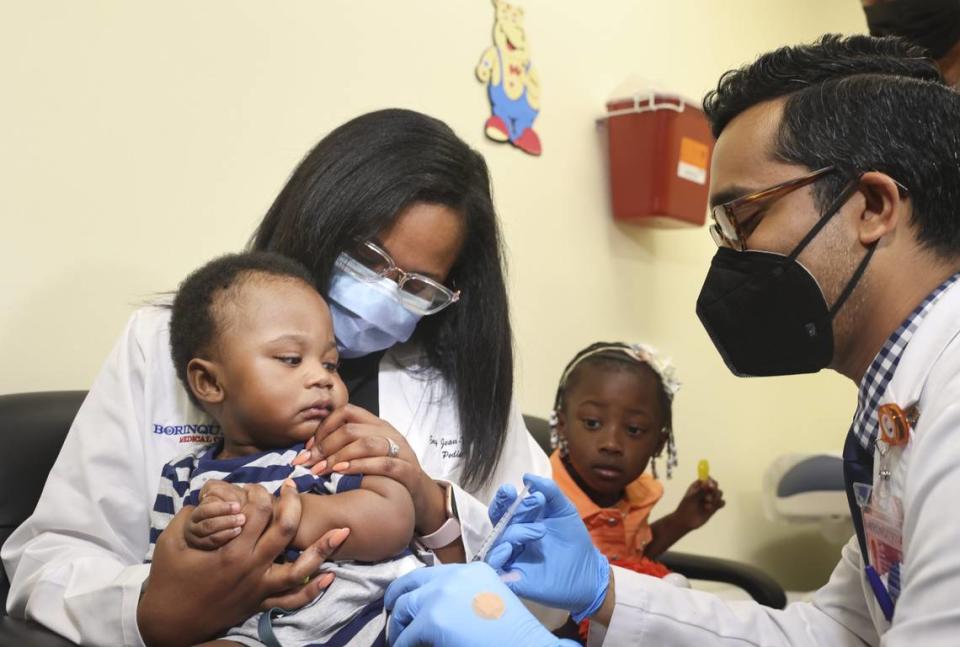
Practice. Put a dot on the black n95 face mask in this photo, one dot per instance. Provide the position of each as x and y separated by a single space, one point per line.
766 313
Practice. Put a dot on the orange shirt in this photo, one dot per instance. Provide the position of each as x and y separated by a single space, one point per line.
620 532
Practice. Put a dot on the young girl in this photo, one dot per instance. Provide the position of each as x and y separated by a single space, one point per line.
612 416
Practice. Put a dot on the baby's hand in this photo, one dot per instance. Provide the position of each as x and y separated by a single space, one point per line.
702 500
217 519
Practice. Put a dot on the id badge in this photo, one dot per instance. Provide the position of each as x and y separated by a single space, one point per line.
883 529
884 538
881 511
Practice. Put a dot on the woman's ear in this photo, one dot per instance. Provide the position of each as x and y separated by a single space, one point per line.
204 380
884 202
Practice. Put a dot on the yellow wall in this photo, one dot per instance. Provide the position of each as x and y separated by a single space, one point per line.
140 139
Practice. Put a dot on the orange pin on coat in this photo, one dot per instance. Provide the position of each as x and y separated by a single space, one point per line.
895 423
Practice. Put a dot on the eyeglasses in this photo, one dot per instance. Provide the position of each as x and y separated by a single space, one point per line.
734 220
418 293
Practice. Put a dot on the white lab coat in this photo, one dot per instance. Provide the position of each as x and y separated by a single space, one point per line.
76 564
845 611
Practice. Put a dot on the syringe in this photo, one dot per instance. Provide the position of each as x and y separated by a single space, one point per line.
501 526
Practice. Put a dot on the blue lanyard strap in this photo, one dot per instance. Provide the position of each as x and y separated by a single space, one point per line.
858 468
880 592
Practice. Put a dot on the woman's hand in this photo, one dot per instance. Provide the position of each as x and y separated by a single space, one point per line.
192 595
354 441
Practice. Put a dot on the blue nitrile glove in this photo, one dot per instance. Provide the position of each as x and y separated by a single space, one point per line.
460 604
551 560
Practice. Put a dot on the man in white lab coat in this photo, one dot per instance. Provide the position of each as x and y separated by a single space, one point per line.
834 193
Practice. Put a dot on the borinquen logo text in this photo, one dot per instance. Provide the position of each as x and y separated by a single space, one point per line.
181 430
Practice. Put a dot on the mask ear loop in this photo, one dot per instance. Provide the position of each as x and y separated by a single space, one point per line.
852 283
828 214
831 211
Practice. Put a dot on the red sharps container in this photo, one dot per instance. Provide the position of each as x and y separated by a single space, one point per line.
660 146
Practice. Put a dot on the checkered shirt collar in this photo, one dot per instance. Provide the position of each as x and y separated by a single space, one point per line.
884 365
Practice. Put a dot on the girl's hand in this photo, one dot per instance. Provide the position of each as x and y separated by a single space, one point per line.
354 441
702 500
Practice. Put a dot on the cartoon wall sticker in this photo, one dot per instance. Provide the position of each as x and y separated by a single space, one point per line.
512 83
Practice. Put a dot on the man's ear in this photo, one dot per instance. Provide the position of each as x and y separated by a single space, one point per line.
883 208
204 379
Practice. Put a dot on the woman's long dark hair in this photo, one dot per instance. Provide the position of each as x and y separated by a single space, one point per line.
351 186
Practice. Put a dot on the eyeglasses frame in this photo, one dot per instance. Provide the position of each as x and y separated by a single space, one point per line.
403 276
726 213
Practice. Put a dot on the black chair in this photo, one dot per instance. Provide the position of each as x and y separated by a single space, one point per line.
760 586
32 428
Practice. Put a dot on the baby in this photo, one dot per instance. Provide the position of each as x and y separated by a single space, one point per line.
253 343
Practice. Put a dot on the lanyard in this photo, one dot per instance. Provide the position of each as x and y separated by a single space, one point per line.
858 468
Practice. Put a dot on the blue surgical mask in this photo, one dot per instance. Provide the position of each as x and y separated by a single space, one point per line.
367 315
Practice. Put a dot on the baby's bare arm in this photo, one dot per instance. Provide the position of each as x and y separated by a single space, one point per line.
379 514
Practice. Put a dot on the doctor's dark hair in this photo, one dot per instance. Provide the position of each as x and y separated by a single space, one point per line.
352 186
194 321
860 104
